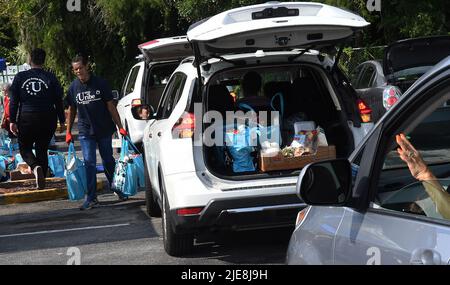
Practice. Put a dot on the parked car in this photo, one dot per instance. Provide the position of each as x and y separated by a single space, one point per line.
380 83
146 80
188 180
368 209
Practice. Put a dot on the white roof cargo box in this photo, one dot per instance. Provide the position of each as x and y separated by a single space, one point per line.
273 26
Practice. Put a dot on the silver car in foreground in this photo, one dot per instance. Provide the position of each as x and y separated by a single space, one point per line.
368 209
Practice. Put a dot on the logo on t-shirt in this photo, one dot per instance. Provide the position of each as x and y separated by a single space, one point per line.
86 97
34 85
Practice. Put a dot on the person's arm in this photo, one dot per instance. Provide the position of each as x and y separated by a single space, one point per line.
59 103
14 100
421 172
72 112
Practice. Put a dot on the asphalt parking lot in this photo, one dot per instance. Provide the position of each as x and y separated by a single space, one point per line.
58 233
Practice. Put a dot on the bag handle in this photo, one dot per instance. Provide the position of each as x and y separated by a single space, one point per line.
130 143
281 98
246 106
71 152
124 149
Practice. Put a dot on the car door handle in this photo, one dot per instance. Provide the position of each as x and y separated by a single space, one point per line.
159 134
425 256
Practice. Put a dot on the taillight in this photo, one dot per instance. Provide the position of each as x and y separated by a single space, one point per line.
189 211
364 111
136 102
301 216
184 127
391 94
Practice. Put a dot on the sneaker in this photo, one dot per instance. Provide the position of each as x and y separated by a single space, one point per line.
121 196
40 178
88 204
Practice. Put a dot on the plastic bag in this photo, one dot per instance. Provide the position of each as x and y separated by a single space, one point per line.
75 175
56 164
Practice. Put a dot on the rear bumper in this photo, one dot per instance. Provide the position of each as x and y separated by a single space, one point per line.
242 213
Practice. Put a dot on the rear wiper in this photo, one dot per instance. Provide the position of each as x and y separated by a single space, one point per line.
293 57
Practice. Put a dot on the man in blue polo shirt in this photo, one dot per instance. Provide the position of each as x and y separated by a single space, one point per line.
91 97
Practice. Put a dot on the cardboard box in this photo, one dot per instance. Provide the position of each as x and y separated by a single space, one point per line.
279 162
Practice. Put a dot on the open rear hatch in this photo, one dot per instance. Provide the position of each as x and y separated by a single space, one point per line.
272 26
414 53
166 49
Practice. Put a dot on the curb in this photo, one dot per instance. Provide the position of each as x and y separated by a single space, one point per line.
39 195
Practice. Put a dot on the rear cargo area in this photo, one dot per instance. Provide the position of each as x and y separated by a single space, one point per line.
283 117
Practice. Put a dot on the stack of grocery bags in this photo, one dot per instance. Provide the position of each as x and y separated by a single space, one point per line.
128 174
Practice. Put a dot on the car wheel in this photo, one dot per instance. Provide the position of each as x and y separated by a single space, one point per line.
153 209
175 244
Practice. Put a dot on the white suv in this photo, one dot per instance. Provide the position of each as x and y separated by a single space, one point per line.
146 80
191 181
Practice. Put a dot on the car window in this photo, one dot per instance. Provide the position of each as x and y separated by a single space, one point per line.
414 199
132 80
124 85
159 76
354 75
366 77
173 94
398 190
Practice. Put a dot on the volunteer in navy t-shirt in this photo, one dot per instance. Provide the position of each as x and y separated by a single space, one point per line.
36 103
94 119
91 98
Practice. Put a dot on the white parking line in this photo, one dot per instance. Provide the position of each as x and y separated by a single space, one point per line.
66 230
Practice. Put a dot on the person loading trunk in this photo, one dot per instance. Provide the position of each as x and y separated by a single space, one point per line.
36 100
92 97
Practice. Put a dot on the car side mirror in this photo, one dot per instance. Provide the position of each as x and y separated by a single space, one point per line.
143 112
325 183
116 95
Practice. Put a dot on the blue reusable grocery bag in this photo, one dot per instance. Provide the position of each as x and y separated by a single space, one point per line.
238 143
129 171
75 175
56 163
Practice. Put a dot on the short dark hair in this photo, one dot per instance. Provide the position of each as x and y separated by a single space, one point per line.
37 56
81 57
251 83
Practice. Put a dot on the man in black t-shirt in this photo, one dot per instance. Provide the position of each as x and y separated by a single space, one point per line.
90 96
36 102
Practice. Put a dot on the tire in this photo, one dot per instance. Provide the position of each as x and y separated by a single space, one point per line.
153 209
175 244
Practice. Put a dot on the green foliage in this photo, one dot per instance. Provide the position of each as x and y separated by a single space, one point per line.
110 30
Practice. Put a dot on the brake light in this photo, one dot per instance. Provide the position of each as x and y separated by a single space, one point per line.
136 102
148 43
184 127
364 111
391 94
301 216
189 211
